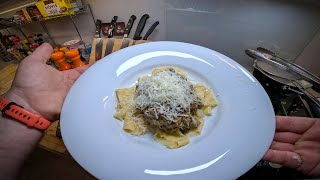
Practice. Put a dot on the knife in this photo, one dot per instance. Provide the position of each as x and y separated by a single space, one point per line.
113 24
107 41
99 40
140 27
96 49
129 26
151 29
126 41
98 28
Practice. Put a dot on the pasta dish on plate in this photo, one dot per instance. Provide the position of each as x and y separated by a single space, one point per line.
166 104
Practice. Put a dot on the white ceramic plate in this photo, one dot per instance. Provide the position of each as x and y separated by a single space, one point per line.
233 140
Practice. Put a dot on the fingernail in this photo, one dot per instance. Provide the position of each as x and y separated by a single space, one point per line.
275 165
298 159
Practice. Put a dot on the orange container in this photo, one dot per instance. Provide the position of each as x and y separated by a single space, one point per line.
59 58
74 56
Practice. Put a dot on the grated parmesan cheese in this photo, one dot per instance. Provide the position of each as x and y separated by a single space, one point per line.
168 93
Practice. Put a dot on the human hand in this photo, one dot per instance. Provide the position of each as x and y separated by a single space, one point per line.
296 144
41 88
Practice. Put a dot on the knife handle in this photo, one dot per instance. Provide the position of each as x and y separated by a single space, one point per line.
140 27
129 25
98 27
113 24
114 20
154 25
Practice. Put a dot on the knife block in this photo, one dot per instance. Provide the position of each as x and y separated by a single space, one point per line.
110 45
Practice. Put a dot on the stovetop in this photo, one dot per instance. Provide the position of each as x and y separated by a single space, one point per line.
285 103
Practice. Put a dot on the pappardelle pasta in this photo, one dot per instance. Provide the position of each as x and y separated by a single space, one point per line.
166 104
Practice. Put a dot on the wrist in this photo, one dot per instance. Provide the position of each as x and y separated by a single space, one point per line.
16 143
12 124
34 103
19 131
26 114
15 97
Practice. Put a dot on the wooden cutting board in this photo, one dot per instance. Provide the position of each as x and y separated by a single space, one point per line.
6 77
51 142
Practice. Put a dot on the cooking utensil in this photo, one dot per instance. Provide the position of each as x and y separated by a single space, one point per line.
96 49
140 26
107 45
126 41
107 42
279 89
287 81
293 76
274 55
288 72
151 29
287 66
111 29
129 26
116 43
271 53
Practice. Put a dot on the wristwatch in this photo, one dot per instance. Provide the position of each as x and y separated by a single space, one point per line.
19 114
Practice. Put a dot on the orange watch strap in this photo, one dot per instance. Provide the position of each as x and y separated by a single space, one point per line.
18 113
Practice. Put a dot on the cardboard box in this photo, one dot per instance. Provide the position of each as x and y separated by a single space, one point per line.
34 13
54 7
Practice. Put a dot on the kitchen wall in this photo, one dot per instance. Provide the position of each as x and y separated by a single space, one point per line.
310 56
227 26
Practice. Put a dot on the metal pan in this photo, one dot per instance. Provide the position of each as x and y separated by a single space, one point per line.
282 65
287 81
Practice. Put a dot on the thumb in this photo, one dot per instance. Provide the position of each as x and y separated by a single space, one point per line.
41 54
82 69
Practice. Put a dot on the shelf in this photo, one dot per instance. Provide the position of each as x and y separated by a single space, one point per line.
9 22
14 5
6 23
